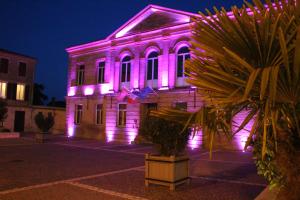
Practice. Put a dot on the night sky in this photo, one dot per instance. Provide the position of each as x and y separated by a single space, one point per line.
44 28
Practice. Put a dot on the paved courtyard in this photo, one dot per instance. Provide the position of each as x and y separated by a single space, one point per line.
78 169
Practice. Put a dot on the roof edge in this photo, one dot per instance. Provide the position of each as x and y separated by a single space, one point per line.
18 54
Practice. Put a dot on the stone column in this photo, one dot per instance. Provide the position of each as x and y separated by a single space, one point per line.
116 82
110 68
165 66
135 69
172 68
142 74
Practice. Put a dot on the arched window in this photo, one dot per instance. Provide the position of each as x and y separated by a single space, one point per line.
125 75
152 66
183 54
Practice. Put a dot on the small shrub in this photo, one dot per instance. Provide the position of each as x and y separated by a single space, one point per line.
44 123
166 135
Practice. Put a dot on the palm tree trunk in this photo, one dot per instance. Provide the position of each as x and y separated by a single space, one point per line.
298 6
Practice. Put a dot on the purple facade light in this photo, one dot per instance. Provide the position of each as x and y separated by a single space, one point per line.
196 141
70 131
88 90
71 91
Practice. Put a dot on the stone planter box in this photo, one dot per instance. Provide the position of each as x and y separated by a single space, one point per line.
42 137
267 194
5 135
168 171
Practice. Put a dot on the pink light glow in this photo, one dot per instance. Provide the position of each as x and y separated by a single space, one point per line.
136 82
72 91
70 131
163 88
109 136
164 78
131 136
242 136
104 88
196 141
88 90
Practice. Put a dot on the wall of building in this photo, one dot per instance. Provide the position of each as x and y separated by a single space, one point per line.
12 75
170 89
91 93
30 112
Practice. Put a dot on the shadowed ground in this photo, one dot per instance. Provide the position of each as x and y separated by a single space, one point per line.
74 169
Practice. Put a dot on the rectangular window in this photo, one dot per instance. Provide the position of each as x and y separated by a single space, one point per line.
80 75
180 66
149 69
3 87
152 69
181 106
99 114
122 114
155 70
3 65
101 71
125 76
22 69
20 95
78 114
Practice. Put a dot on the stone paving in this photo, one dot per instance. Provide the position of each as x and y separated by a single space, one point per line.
78 169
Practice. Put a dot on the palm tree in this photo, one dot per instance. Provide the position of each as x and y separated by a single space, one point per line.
247 59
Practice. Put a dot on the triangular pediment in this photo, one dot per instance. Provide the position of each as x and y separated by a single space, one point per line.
152 18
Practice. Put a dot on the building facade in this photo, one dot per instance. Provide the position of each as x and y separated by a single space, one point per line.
149 50
16 88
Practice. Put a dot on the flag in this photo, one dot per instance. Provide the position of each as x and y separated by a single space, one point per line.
132 98
124 92
145 92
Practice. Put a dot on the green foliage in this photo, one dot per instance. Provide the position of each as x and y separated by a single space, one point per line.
44 123
266 166
166 135
250 60
3 111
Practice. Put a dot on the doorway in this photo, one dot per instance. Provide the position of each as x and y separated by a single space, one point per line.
19 121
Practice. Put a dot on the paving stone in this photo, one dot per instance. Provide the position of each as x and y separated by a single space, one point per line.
133 183
58 192
48 162
228 175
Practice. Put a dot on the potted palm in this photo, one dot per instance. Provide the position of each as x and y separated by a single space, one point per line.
249 60
44 124
169 166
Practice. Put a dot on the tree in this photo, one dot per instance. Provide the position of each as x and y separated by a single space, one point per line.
3 111
249 59
54 103
38 94
44 123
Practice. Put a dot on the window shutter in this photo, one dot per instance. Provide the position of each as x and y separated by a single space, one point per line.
27 92
14 91
9 91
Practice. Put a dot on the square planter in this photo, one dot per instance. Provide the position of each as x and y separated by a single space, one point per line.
42 137
169 171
